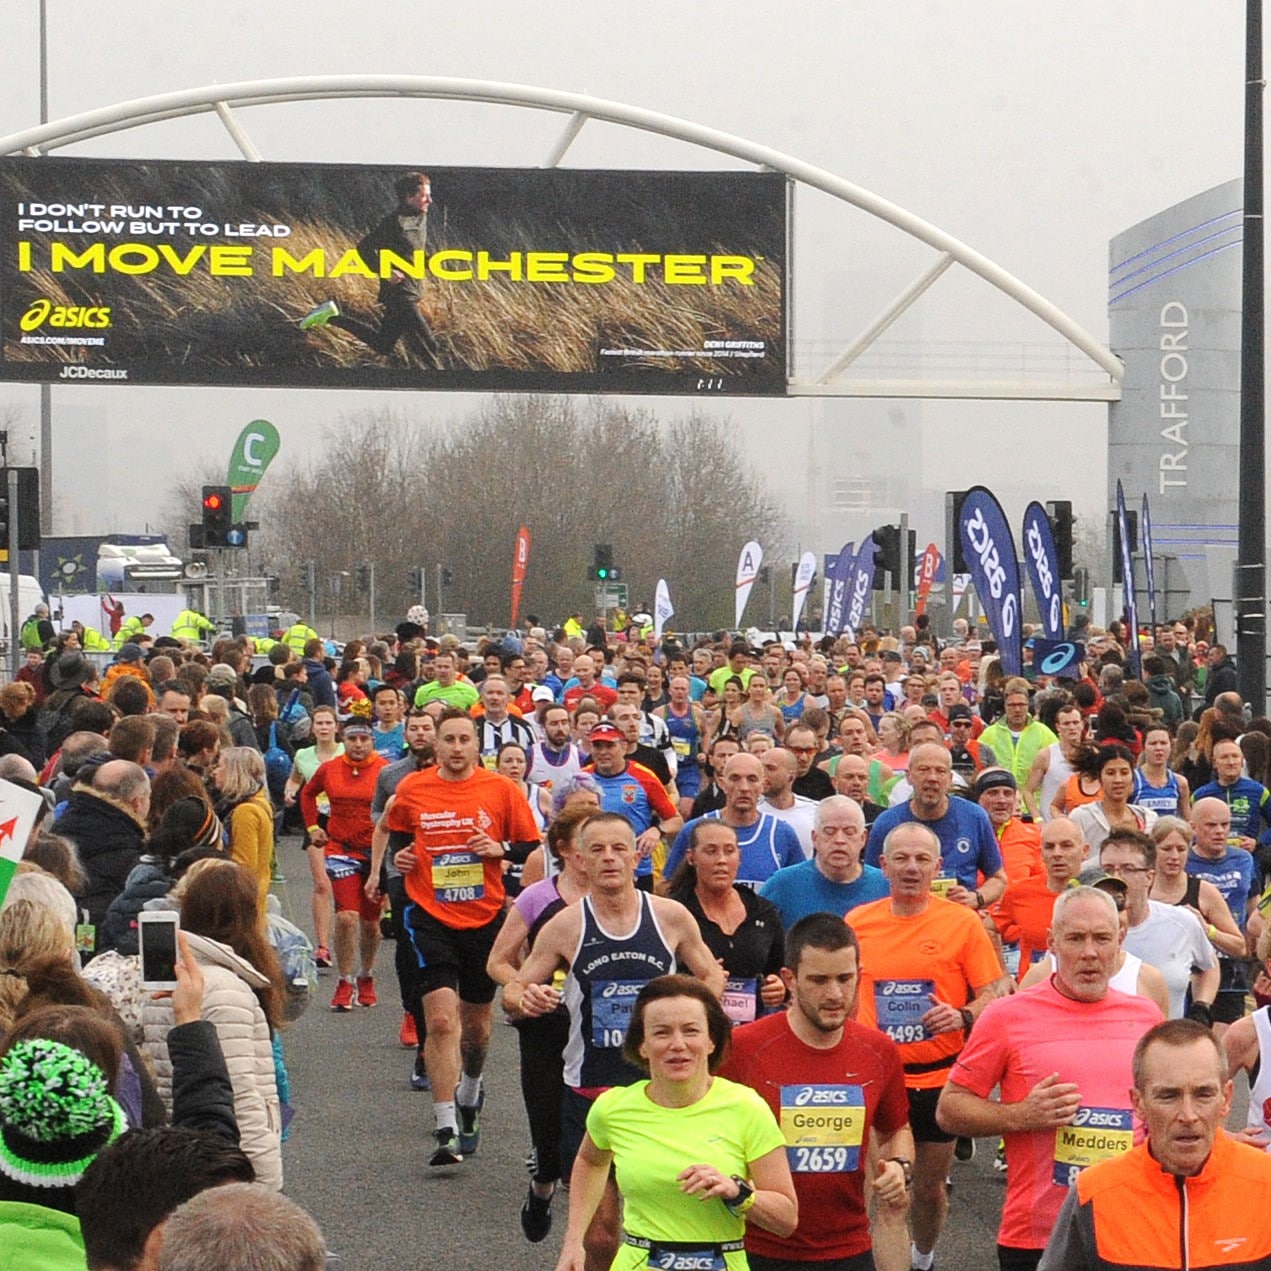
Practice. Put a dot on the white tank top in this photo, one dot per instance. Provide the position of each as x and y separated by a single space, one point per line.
1259 1116
1058 770
1126 980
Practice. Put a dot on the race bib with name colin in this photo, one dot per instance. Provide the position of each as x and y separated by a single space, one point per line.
900 1006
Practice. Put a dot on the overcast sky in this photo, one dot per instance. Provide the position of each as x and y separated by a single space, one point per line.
1033 132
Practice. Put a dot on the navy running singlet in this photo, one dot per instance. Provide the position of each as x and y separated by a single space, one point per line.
606 974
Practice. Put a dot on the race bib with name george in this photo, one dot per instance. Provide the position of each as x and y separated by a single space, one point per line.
824 1128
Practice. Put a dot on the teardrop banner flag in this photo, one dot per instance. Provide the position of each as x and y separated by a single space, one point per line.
662 608
253 452
1041 560
1127 580
859 585
926 576
747 571
18 809
802 582
990 555
1149 564
520 567
836 605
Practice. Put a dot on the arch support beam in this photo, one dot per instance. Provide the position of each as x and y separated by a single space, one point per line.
221 97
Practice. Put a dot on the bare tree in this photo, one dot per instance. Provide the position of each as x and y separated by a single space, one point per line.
676 502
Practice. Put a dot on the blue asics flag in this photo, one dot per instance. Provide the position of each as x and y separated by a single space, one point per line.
990 556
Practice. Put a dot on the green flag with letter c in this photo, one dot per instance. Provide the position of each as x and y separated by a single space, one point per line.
253 452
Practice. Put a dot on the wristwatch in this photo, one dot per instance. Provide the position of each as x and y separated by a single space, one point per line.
743 1200
906 1168
968 1020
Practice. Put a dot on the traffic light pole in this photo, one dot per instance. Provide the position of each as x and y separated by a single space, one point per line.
440 606
370 583
15 572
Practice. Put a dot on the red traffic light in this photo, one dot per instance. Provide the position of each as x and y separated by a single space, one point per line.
213 502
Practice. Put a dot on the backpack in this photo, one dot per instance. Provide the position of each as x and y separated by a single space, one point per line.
295 717
277 765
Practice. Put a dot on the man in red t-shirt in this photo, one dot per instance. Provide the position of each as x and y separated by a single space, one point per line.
588 686
838 1092
1062 1053
348 781
464 820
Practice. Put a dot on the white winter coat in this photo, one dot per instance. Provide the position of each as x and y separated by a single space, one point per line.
231 1006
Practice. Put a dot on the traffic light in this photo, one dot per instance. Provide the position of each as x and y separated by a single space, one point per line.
1132 524
217 521
363 577
1061 522
447 576
311 577
953 500
887 555
4 516
603 569
1081 586
417 579
28 508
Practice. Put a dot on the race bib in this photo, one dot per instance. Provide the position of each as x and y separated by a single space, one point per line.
1010 955
900 1006
1096 1134
681 746
741 1000
612 1002
458 876
705 1259
490 762
941 886
824 1127
339 866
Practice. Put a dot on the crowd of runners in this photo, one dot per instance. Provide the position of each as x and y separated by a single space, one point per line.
784 927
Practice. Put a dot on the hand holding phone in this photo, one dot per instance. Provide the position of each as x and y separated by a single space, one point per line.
187 997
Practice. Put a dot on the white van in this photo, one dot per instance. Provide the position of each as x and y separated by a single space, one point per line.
29 595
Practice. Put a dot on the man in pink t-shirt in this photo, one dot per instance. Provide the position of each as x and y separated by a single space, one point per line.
1062 1053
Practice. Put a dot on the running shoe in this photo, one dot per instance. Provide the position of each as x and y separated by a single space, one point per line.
536 1215
999 1157
470 1125
447 1150
322 957
320 316
964 1150
343 997
366 991
408 1034
419 1078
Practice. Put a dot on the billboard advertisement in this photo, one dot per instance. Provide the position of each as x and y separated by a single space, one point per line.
1174 318
326 276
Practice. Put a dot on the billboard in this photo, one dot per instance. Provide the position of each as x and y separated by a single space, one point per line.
324 276
1174 318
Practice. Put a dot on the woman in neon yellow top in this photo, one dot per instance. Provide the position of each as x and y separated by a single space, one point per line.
696 1157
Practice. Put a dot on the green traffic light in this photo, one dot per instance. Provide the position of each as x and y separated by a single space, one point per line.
602 573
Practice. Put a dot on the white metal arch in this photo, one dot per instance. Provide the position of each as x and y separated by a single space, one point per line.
222 98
